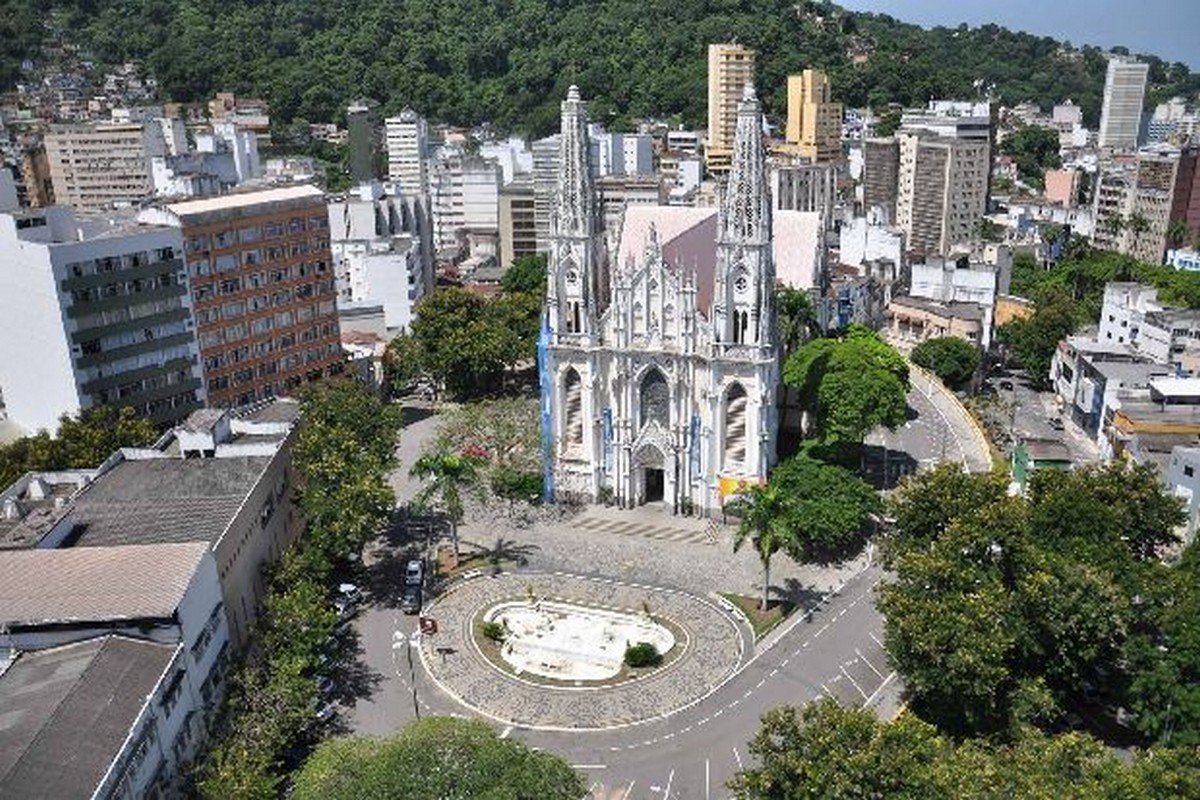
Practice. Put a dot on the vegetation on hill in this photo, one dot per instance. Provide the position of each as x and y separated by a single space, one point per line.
510 61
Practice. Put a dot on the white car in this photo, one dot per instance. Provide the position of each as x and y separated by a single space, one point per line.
350 593
414 572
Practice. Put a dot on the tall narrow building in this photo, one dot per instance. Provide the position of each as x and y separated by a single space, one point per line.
941 189
814 121
1124 94
407 140
658 377
730 71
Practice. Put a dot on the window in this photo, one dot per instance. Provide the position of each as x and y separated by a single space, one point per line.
573 420
655 401
735 426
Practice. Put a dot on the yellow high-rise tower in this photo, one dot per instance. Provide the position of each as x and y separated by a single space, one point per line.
730 71
814 121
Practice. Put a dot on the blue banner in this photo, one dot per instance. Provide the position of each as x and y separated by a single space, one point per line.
607 420
546 384
696 463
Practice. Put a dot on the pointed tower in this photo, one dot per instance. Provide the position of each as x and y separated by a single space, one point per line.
744 300
575 294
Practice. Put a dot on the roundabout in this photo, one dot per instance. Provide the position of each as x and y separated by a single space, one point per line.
557 659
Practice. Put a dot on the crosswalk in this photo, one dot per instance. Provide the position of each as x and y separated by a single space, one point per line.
699 533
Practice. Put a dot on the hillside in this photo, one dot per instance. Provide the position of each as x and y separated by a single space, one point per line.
510 61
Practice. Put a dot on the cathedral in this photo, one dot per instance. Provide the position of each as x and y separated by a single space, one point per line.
658 379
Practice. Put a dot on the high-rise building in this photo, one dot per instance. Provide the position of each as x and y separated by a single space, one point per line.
942 189
263 289
1124 94
545 181
407 137
362 136
881 168
518 221
464 195
98 167
1138 198
814 121
730 71
95 312
804 187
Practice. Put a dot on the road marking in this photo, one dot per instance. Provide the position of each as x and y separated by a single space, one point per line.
506 732
824 628
706 792
760 683
667 792
876 638
784 663
826 688
867 661
628 790
842 613
875 693
774 672
854 683
738 757
589 766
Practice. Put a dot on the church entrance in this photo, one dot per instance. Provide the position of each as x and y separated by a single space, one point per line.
655 485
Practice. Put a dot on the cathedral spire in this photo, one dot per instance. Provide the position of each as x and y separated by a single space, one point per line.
574 211
745 207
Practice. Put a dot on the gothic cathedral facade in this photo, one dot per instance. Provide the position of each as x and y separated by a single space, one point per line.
647 397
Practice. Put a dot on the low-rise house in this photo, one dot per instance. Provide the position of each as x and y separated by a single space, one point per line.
1032 455
912 320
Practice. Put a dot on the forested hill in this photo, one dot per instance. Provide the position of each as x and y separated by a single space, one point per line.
510 61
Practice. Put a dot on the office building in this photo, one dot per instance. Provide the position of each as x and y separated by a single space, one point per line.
262 287
407 140
730 74
942 189
814 121
95 312
518 221
98 167
380 244
1124 95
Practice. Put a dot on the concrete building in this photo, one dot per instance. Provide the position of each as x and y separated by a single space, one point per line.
95 311
863 239
407 141
630 154
1092 377
545 181
804 187
224 157
116 662
464 196
912 320
518 221
1133 315
1183 479
814 121
619 192
1062 186
263 289
963 279
98 167
1184 259
1124 95
942 189
730 72
880 176
380 243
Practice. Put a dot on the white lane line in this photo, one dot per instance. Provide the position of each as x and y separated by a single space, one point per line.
824 628
706 792
842 613
589 766
876 638
867 661
760 683
506 732
854 683
784 663
628 790
667 791
738 758
774 672
826 688
875 693
751 691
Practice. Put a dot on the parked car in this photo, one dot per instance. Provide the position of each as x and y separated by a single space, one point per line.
411 602
325 685
324 713
345 608
350 592
414 572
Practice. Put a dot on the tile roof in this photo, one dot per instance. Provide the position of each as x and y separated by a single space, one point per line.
67 711
95 584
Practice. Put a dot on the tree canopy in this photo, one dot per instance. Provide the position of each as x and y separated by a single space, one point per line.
436 758
850 385
509 63
1034 339
1034 149
952 359
526 274
1007 611
82 442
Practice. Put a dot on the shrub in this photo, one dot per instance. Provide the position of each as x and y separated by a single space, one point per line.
952 359
642 654
494 631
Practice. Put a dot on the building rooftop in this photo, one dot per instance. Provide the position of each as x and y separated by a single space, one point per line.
1047 450
203 420
31 505
1176 387
957 310
95 584
160 500
190 210
1131 373
68 711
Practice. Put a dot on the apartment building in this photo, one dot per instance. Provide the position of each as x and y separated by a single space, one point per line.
803 187
406 138
1121 111
881 170
95 311
518 220
464 196
97 167
1138 197
730 73
814 121
941 189
263 289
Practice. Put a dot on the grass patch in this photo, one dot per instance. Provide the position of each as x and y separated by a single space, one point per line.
762 622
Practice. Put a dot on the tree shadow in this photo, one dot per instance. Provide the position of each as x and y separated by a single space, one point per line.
505 550
883 467
410 415
795 592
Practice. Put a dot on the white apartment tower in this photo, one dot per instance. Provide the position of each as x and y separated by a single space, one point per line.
730 71
464 195
95 312
406 141
1124 94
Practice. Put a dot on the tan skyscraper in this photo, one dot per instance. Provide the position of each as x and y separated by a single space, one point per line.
942 189
730 71
814 121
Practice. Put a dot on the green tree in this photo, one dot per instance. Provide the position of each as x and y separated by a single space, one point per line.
436 758
82 442
1034 339
1138 225
763 514
526 274
1034 149
952 359
797 319
927 503
402 366
850 385
1177 232
448 477
828 511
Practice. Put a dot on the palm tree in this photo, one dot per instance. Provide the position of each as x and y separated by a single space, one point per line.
449 475
1114 225
1138 224
763 513
1177 232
